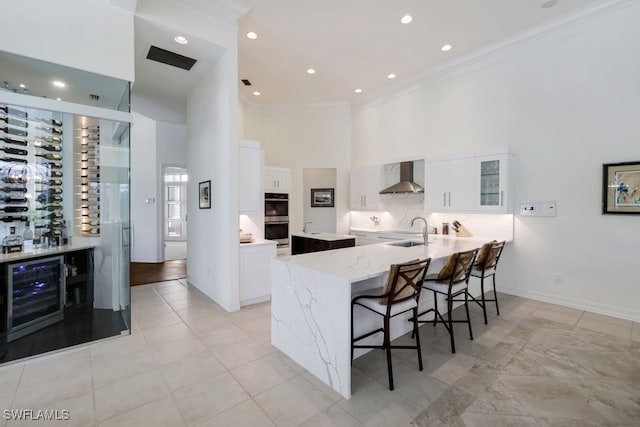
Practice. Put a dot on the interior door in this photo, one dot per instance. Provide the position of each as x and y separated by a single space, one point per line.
175 196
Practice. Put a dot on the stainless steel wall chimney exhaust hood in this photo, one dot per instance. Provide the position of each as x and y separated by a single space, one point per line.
406 184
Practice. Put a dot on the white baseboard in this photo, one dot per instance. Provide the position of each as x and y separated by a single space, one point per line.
605 309
257 300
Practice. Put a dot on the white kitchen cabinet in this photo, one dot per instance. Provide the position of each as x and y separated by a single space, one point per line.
450 185
365 185
277 180
250 179
255 271
469 184
492 183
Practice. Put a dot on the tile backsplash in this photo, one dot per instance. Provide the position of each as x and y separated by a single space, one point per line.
398 210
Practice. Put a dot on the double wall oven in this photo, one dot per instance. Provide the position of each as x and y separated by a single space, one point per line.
276 218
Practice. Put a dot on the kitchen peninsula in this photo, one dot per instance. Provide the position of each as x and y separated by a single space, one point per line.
311 300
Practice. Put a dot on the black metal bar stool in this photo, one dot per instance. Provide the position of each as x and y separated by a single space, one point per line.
485 266
452 281
400 294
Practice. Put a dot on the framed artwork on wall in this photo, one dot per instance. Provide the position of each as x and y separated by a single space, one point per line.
204 195
621 188
322 197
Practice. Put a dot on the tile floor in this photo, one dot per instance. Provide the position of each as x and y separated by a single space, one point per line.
189 363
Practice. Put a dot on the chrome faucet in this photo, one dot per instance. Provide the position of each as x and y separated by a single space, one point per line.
304 227
425 230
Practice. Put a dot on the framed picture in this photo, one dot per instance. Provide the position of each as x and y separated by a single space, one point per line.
322 197
621 188
204 194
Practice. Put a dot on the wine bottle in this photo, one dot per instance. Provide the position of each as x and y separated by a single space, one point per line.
17 151
52 215
51 190
91 128
14 209
55 174
15 141
49 224
49 198
53 130
14 131
13 111
51 233
53 165
52 182
14 218
48 147
50 208
13 160
13 189
13 199
92 215
14 122
52 122
14 179
52 139
50 156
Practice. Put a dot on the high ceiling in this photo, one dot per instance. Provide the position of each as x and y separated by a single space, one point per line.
356 43
350 43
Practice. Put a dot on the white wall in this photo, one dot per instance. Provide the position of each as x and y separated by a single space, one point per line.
212 118
323 219
144 185
565 103
100 39
305 136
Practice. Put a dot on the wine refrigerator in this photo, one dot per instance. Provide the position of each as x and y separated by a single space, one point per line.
36 295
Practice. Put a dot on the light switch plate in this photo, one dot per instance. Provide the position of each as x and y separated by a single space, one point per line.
538 208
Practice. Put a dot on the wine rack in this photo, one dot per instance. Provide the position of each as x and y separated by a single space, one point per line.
31 177
89 178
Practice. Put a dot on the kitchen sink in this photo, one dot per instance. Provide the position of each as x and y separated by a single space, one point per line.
406 243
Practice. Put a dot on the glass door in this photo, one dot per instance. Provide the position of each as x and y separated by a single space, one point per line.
491 183
175 195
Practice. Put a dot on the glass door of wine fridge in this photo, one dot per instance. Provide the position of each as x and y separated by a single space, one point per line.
36 293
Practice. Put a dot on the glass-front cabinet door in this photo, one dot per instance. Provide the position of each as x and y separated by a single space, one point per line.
492 183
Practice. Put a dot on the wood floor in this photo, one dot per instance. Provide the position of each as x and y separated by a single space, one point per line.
148 272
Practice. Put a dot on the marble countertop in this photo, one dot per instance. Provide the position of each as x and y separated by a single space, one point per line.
258 242
363 262
57 250
330 237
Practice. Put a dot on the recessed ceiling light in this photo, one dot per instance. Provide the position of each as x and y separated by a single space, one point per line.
311 71
256 93
446 47
406 19
58 83
251 35
58 99
391 76
22 85
358 90
181 39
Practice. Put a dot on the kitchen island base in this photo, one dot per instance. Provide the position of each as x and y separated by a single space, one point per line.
311 303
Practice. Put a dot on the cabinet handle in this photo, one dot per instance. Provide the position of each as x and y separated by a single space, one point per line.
444 199
361 201
365 200
501 197
449 199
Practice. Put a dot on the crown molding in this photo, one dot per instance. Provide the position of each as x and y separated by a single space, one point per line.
489 54
227 10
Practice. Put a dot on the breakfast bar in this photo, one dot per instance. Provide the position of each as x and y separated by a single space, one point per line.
311 300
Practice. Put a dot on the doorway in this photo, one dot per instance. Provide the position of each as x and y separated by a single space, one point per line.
175 213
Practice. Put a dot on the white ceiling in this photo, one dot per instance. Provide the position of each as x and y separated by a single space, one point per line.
351 43
357 43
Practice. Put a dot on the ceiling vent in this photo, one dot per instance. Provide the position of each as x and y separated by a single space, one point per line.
94 97
170 58
246 82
